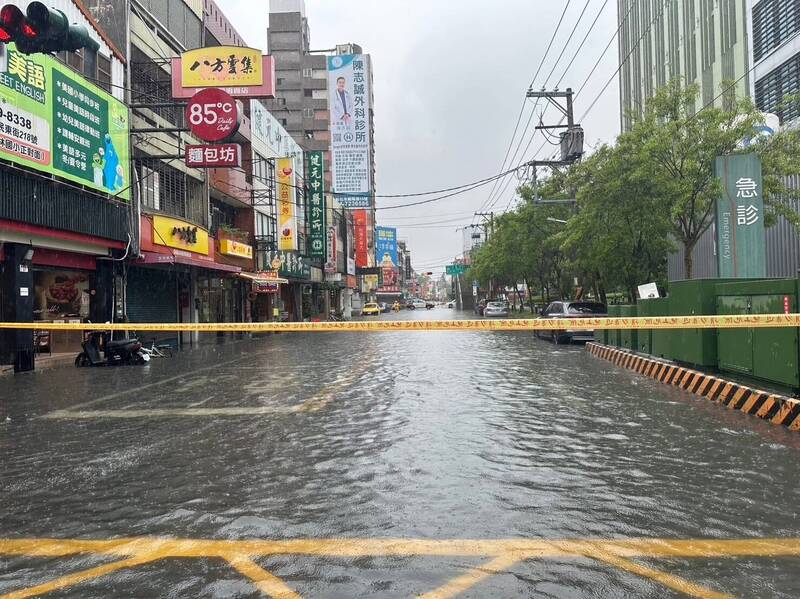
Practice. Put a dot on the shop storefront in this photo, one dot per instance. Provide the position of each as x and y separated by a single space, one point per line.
295 268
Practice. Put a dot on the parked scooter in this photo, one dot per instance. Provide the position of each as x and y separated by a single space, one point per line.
121 351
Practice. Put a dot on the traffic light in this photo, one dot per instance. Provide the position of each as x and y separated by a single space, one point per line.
42 29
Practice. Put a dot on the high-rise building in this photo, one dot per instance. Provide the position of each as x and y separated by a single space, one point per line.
776 56
302 107
704 42
301 103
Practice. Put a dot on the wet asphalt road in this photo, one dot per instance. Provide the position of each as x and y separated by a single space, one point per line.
406 435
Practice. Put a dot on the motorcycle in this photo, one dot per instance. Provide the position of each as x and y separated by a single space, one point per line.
121 351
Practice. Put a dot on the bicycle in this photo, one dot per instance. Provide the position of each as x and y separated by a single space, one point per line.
157 351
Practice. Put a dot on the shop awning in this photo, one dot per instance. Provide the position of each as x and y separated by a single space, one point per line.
258 277
154 258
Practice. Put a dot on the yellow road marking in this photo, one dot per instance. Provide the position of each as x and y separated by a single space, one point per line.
264 581
132 552
316 402
736 321
668 580
472 577
77 577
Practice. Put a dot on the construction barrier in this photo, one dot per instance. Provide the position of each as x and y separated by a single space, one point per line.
744 321
775 408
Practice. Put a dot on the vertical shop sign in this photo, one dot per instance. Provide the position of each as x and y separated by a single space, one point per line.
287 219
360 226
317 205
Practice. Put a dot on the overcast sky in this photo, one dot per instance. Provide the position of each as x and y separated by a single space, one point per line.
450 79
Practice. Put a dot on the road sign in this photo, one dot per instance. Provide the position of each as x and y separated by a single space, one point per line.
456 269
212 115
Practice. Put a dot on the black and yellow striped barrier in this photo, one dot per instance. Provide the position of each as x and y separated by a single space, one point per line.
537 324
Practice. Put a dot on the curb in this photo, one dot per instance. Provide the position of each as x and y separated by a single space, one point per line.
777 409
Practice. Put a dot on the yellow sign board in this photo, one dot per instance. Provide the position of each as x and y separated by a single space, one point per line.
222 66
287 222
179 234
229 247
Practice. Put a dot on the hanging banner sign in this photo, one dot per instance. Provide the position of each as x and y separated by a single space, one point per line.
241 72
741 242
317 206
212 115
360 233
216 156
287 221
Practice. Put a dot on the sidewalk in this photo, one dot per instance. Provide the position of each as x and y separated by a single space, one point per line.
45 362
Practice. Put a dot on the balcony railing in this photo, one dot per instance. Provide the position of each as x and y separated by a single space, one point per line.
47 203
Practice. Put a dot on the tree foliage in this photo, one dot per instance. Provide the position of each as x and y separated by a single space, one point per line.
653 189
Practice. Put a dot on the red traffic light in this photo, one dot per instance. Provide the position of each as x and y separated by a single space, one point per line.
10 19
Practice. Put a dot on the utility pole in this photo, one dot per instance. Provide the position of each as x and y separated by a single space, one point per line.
571 139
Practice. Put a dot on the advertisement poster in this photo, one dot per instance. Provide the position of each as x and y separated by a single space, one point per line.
386 259
349 97
287 221
54 121
60 294
317 208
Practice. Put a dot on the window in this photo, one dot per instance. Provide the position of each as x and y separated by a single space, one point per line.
308 113
75 60
309 135
150 188
308 93
280 81
104 72
308 72
586 308
284 122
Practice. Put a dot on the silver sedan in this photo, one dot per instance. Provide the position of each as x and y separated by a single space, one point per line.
496 309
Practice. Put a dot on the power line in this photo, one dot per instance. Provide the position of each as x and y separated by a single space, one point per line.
524 102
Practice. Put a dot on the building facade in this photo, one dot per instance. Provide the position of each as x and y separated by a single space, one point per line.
776 57
66 210
703 42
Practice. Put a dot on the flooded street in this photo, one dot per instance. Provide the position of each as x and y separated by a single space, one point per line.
410 436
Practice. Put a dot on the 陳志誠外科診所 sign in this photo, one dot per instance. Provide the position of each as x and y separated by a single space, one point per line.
54 121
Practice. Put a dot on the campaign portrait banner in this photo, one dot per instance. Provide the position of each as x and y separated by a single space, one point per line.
287 215
386 259
349 97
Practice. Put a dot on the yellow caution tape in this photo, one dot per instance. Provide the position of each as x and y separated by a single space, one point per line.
744 321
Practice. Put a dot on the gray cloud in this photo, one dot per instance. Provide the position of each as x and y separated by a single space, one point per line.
450 76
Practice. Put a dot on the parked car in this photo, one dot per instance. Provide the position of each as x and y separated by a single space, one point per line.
567 309
429 304
416 303
371 309
495 309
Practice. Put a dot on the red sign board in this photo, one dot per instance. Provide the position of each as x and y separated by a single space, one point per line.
212 115
360 228
216 156
265 90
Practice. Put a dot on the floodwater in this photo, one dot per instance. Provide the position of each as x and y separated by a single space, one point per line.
353 440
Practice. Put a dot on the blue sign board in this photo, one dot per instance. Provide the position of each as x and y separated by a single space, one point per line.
386 247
